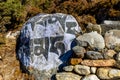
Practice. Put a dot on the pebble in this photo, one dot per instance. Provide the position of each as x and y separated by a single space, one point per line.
93 70
109 54
94 39
67 76
68 68
94 55
79 51
82 70
91 77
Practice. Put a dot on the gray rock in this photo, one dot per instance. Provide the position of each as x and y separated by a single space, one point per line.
93 27
94 39
112 38
108 73
94 55
91 77
43 39
107 27
117 57
82 43
79 51
68 68
82 70
67 76
93 70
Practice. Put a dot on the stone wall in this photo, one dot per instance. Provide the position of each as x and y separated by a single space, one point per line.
96 56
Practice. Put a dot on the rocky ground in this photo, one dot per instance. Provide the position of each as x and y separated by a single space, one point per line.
9 65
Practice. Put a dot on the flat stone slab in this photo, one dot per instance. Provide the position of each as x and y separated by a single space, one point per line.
99 63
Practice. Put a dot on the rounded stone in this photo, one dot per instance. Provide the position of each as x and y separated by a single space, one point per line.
67 76
109 54
93 70
79 51
68 68
91 77
94 39
82 70
94 55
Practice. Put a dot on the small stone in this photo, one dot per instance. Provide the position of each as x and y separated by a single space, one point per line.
91 77
94 55
82 70
93 70
99 63
75 61
108 73
112 38
117 57
114 73
67 76
68 68
109 54
94 39
79 51
102 73
93 27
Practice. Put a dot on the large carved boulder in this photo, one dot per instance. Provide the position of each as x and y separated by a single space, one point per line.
45 43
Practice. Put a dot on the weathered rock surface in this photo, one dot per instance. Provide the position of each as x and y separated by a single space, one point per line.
93 70
79 51
112 38
82 43
91 77
67 76
108 73
94 27
102 73
82 70
75 61
94 55
117 57
94 39
99 63
109 54
68 68
43 39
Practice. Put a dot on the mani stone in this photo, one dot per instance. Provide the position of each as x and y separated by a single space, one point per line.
109 54
99 63
75 61
82 43
44 43
67 76
68 68
82 70
93 27
94 55
91 77
108 73
79 51
112 38
94 39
